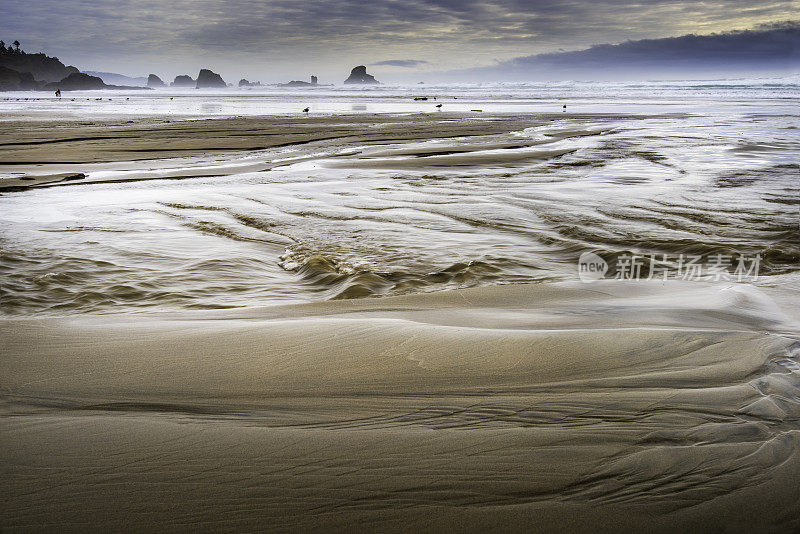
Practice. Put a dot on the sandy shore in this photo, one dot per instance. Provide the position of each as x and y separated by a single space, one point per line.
549 407
53 153
552 407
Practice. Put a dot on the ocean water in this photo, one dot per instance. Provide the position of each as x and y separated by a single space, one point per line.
513 193
710 96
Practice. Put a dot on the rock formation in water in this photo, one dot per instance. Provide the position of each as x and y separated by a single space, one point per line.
359 75
245 83
299 83
209 79
78 81
183 81
155 81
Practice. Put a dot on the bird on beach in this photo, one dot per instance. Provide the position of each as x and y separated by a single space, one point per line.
565 107
439 106
305 110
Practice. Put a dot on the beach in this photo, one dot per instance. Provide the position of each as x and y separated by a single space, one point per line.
372 317
487 406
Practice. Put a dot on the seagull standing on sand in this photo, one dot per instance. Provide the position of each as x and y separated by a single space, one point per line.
305 110
439 106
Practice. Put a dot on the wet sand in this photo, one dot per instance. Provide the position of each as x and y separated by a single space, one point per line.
43 153
548 407
551 407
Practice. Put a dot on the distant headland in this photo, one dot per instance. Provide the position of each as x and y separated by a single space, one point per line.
20 71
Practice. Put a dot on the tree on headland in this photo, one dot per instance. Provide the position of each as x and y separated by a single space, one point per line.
2 46
16 43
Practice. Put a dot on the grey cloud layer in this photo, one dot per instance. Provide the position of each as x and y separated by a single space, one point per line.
444 32
409 63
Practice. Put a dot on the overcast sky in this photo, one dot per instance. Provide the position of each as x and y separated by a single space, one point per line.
275 40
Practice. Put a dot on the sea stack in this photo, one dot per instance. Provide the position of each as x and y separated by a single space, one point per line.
209 79
183 81
78 81
155 81
359 75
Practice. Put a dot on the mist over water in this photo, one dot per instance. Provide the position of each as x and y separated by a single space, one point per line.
711 96
656 168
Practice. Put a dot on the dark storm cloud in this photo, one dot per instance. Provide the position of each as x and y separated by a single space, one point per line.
402 62
447 32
